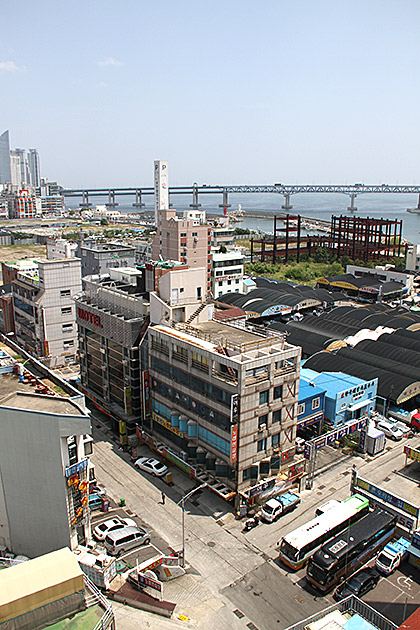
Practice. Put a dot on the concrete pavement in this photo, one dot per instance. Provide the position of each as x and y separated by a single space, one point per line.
233 579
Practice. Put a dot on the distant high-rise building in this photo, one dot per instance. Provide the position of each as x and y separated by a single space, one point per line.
19 167
33 165
5 173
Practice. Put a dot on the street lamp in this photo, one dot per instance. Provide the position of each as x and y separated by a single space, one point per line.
182 504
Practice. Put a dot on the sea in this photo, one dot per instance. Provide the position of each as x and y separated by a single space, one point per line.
312 205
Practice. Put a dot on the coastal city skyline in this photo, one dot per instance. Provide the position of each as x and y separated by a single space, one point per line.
296 94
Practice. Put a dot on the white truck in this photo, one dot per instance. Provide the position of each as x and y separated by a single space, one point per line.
392 555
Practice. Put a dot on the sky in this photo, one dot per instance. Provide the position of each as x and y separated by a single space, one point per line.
229 91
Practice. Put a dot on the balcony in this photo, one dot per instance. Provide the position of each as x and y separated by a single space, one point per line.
180 356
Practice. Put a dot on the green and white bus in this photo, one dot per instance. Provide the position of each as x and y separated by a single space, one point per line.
296 548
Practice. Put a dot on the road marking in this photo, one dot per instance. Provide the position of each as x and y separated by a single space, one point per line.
405 581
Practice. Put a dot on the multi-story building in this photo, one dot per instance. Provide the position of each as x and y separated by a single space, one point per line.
44 467
59 248
33 167
184 240
98 258
227 271
112 319
19 168
44 310
5 172
52 204
413 258
7 321
223 237
24 205
346 397
222 397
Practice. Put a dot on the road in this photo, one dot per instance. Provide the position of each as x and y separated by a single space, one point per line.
234 577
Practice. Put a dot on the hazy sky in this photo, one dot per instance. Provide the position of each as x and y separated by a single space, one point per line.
234 92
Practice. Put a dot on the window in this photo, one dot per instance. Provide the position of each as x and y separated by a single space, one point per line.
263 420
277 416
183 234
195 234
301 409
262 445
316 403
68 344
66 310
220 283
275 439
278 392
264 397
65 292
66 328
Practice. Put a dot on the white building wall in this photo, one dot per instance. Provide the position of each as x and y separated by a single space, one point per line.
61 281
33 486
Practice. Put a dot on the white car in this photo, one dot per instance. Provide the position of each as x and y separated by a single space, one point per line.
151 465
101 531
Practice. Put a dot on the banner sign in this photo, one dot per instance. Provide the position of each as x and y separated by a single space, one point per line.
234 444
234 408
388 498
72 470
412 453
332 436
402 519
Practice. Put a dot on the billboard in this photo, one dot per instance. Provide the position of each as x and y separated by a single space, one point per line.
161 187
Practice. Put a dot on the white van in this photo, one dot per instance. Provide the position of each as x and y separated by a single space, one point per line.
126 538
390 429
271 510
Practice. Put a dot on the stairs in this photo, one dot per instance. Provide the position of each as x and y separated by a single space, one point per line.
196 313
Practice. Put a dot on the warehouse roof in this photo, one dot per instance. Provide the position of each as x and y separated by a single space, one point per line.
390 385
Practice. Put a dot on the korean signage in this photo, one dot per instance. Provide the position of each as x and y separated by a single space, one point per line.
89 317
146 393
387 497
296 470
402 519
179 463
72 470
332 436
233 443
234 408
165 423
261 487
412 453
161 186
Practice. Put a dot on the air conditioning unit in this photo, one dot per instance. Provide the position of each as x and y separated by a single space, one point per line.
262 427
102 350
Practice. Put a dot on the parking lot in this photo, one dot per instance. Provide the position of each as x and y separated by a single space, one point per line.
156 548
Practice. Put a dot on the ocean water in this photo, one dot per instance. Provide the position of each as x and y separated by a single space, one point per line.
312 205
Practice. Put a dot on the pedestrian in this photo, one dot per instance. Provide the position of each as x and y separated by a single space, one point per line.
163 498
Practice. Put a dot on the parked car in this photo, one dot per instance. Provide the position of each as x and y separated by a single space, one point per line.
125 539
407 431
101 531
358 584
389 429
95 501
151 465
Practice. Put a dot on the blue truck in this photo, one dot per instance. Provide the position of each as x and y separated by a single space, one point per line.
392 555
279 506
